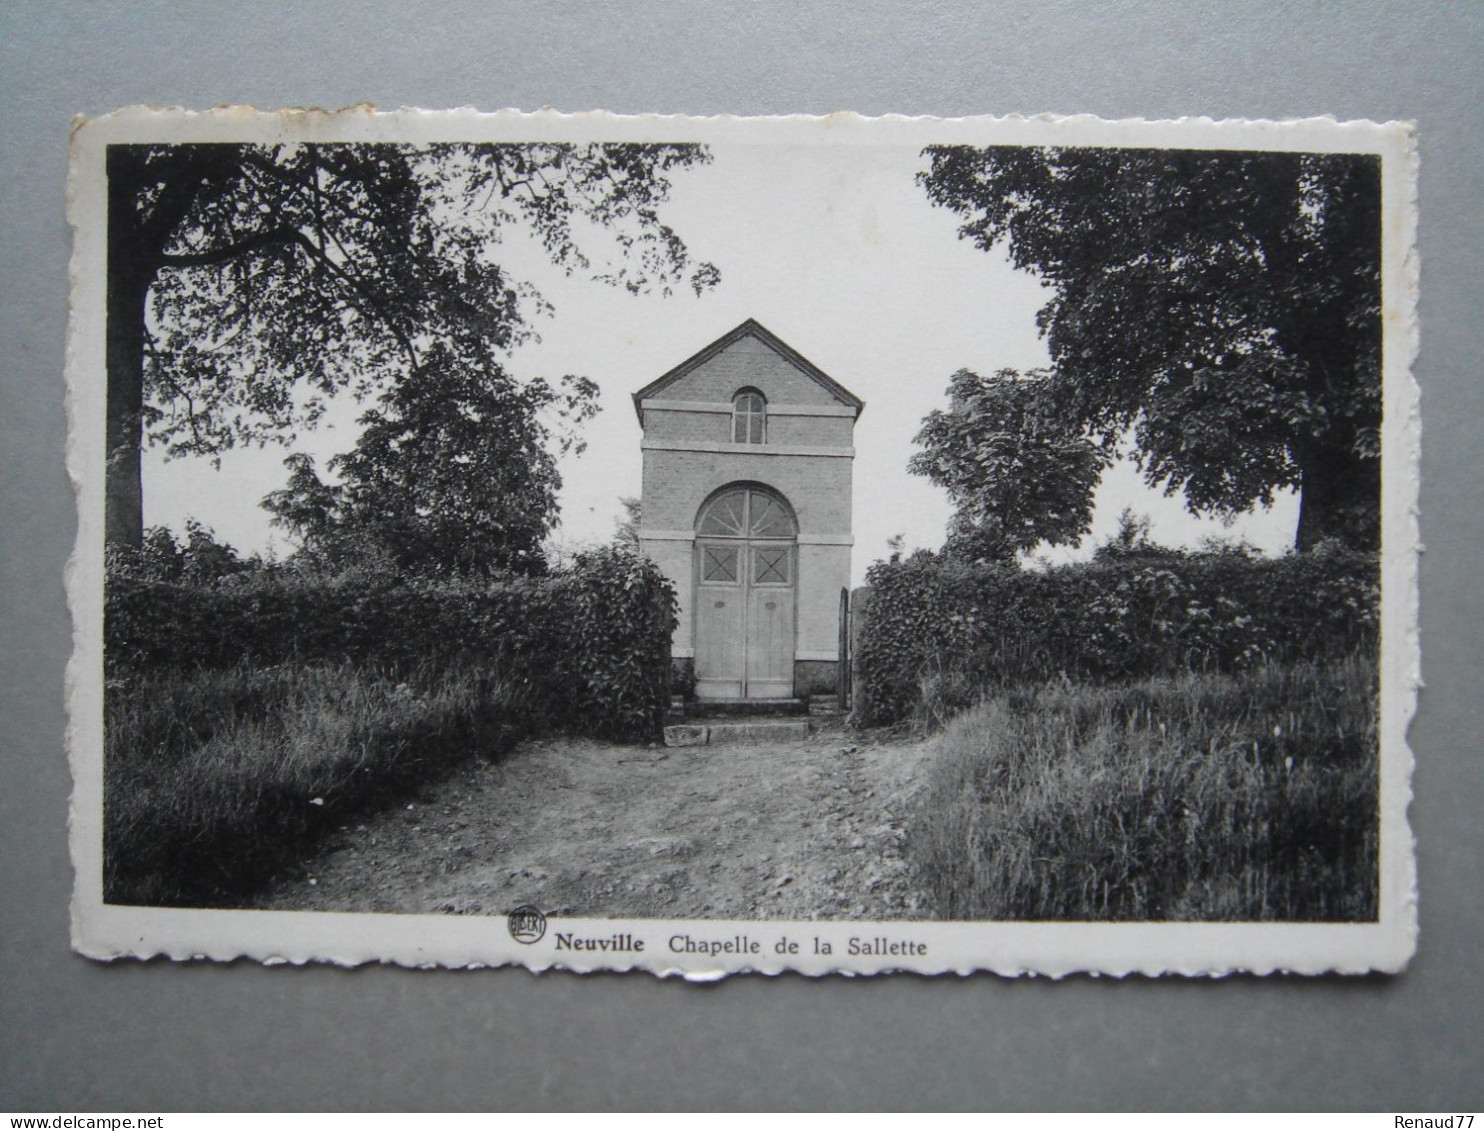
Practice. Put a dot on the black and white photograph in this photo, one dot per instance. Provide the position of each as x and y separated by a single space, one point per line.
720 545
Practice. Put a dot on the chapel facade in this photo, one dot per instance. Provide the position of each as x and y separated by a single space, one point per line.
746 507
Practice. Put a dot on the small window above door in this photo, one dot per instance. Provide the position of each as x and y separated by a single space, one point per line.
749 417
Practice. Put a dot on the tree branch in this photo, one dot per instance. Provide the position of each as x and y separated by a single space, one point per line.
280 237
360 291
220 255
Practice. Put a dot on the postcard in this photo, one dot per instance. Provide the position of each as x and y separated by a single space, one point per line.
700 546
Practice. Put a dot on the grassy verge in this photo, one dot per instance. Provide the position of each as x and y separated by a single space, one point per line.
213 779
1206 797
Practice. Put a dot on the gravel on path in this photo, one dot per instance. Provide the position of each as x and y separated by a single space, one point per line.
810 830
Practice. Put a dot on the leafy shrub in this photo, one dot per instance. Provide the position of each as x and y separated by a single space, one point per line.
619 617
937 631
1204 797
198 560
588 648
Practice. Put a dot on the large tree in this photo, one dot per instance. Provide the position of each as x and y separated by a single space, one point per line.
1015 472
248 283
1222 309
452 474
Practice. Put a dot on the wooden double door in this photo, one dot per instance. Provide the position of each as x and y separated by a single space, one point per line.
746 566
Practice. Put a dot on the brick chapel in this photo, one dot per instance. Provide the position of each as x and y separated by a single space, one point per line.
746 505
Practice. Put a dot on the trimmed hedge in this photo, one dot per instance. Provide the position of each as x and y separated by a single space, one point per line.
589 647
937 632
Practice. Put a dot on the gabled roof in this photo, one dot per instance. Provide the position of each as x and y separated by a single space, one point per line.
757 330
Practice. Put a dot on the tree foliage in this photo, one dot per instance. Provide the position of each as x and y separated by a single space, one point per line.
1015 472
626 529
453 474
249 283
199 559
1222 308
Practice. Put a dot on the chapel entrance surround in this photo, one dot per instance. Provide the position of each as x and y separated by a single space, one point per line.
745 585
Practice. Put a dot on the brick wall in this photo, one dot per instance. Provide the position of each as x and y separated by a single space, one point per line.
748 361
716 428
677 483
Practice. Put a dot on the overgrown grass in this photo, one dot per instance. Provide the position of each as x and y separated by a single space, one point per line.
212 779
1203 797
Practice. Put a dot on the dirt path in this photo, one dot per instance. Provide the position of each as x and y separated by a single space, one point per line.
789 831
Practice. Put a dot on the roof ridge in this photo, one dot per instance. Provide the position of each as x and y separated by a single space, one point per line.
750 327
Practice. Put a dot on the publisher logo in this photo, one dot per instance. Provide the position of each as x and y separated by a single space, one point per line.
526 924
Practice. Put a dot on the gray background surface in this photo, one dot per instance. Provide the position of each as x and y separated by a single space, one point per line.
77 1035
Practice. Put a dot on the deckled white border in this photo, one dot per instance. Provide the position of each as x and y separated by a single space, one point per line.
1053 949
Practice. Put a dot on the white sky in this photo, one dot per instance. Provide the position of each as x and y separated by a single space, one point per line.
833 248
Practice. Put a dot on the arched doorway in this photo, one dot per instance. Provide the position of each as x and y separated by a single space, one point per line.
745 585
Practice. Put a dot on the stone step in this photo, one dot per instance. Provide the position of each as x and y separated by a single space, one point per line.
698 708
820 705
720 733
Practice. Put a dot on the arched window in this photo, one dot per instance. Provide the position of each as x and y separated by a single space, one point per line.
749 417
746 512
